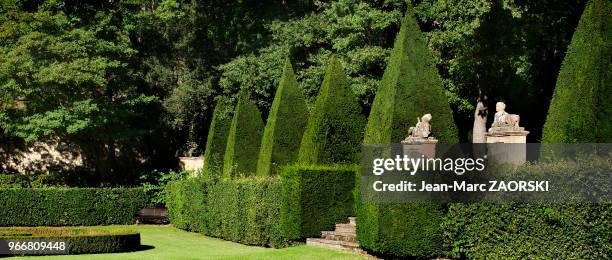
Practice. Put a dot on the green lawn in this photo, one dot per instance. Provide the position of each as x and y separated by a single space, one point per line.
172 243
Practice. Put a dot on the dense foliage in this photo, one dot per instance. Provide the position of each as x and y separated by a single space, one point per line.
401 229
71 206
244 140
580 108
315 198
530 230
154 184
411 87
335 129
241 210
359 32
217 138
285 126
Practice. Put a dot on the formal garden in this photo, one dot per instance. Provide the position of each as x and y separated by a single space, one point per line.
101 102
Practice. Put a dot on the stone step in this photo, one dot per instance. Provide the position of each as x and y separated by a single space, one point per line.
339 236
353 220
344 245
347 228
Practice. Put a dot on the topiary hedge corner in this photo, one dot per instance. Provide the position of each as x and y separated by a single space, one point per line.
71 206
315 198
245 210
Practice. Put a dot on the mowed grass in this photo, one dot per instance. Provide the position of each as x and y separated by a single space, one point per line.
166 242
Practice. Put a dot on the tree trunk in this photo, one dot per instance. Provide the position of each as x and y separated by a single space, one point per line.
480 124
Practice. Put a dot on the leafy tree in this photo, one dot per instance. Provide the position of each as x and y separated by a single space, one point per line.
283 132
580 110
74 83
360 32
335 128
411 87
244 140
181 43
217 138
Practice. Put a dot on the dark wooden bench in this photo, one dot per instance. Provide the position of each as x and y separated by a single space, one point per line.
155 215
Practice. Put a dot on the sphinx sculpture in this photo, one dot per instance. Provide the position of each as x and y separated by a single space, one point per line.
503 121
422 128
419 140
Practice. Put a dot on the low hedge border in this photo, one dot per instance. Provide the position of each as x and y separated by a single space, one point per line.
70 206
315 198
80 240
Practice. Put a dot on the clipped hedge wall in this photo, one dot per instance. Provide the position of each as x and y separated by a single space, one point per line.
316 197
536 230
244 139
530 231
580 108
335 129
243 210
402 229
285 126
70 206
217 138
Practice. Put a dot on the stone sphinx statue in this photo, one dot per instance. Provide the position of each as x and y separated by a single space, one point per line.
503 121
422 128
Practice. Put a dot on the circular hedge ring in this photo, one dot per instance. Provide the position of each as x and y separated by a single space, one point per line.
79 240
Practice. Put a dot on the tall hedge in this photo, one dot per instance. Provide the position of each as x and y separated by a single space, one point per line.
285 126
243 140
245 210
217 138
70 206
410 88
315 198
335 129
580 108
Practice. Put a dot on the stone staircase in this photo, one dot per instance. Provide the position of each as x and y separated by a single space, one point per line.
344 237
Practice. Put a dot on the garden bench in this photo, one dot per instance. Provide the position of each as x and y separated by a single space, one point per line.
157 215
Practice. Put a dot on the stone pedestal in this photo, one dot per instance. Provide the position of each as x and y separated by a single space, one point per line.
414 147
191 163
507 145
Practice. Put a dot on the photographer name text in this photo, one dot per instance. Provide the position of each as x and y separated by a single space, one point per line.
490 186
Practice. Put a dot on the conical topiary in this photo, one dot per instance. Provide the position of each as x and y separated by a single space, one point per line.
410 88
217 138
286 123
580 110
335 128
243 140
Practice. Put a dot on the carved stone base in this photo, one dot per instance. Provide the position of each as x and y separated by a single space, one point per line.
507 135
507 145
414 147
